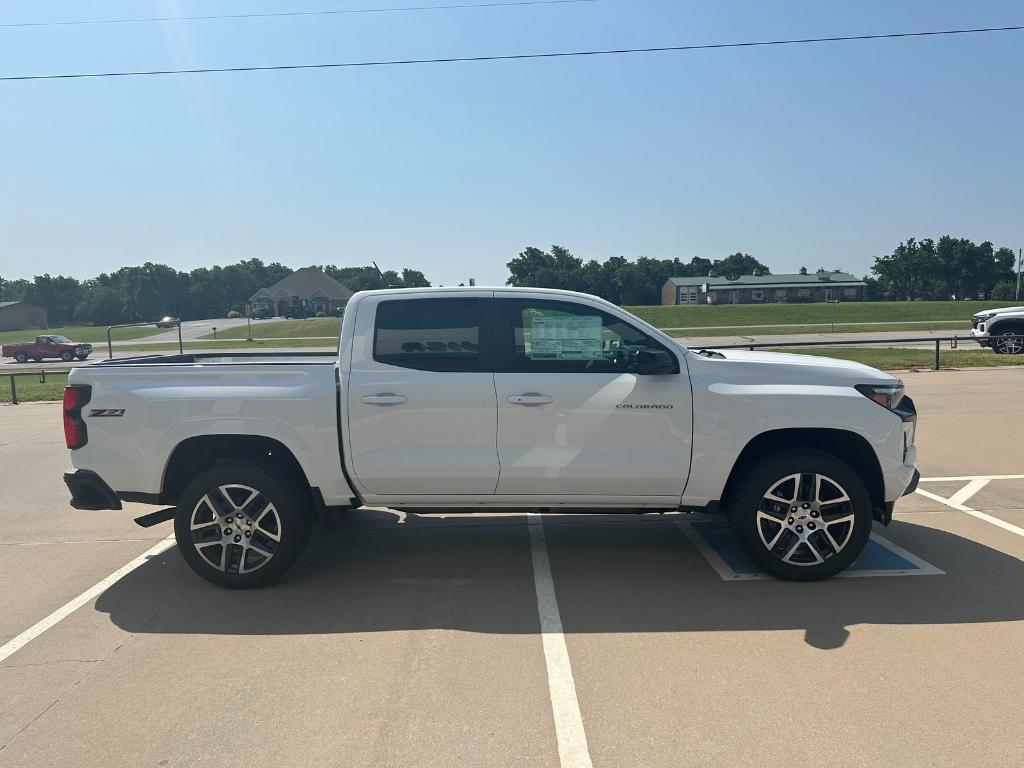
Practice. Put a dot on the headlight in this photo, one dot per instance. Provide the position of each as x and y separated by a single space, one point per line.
886 395
984 316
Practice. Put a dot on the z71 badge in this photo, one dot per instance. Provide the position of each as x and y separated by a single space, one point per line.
97 412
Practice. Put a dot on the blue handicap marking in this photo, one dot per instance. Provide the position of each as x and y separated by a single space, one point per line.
722 550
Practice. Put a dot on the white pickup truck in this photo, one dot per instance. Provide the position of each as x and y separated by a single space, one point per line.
470 399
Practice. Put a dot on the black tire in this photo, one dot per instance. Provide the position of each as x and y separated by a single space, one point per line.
67 355
81 357
241 563
20 357
808 555
1009 343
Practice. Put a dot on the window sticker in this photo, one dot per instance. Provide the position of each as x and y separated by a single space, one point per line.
571 337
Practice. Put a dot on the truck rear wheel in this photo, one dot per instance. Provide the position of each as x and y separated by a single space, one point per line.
242 524
20 357
801 515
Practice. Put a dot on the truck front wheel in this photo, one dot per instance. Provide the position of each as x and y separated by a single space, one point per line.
801 515
67 355
242 524
1009 343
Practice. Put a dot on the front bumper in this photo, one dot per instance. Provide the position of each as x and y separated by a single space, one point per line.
980 335
88 491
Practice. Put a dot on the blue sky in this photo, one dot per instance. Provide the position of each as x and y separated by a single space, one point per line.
803 155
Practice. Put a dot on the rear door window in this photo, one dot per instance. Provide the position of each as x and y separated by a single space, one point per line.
432 334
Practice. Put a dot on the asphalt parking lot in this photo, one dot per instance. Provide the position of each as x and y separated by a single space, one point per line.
516 641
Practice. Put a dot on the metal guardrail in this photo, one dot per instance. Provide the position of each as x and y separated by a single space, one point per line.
41 374
954 341
110 343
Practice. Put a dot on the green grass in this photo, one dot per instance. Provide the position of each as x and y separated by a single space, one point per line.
902 359
284 329
90 333
31 390
910 329
753 315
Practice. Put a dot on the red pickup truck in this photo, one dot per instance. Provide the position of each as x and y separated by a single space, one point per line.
47 346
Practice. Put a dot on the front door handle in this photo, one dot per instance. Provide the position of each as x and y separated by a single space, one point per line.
529 398
384 398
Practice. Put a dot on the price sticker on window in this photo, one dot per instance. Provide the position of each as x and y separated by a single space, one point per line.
568 337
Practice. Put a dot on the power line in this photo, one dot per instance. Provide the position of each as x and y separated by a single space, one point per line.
507 57
275 14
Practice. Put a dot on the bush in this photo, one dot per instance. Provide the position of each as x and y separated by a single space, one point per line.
234 314
321 314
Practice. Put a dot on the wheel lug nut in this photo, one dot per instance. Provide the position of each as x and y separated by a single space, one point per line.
799 529
814 514
227 531
237 539
231 519
248 534
807 506
792 509
812 526
791 521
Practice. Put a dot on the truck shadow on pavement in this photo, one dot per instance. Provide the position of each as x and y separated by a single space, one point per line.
612 575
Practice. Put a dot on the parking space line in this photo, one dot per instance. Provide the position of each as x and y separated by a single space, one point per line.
572 739
973 512
15 644
970 477
965 493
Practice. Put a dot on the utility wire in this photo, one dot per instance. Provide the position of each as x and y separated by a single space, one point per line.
507 57
337 12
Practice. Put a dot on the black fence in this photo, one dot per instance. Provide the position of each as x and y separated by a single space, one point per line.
39 376
937 340
953 341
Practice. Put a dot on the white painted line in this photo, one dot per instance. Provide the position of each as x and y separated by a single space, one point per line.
965 493
30 634
973 512
572 739
925 568
970 477
714 559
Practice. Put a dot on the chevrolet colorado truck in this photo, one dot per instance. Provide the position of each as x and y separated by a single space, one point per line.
45 347
1001 329
466 399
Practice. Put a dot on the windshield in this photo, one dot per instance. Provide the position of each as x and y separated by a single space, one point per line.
60 339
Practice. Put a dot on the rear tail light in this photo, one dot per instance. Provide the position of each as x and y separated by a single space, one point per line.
75 398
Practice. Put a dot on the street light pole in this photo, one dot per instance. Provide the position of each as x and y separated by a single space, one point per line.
1020 263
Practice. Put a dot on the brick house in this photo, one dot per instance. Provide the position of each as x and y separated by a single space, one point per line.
308 287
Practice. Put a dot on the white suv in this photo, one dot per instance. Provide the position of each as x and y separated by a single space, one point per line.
1001 329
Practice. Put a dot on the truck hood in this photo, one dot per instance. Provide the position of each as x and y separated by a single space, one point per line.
781 368
999 311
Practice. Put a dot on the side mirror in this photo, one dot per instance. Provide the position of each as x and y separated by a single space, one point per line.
653 362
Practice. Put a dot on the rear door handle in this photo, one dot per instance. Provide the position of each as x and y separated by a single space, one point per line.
384 398
529 398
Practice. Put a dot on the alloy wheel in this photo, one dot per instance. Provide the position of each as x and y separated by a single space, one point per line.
235 529
1010 344
805 518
